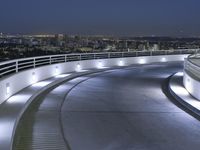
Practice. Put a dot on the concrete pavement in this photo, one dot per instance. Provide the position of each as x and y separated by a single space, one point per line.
123 109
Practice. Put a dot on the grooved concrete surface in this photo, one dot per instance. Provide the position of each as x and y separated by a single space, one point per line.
122 109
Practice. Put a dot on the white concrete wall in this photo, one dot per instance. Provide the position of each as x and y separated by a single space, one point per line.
23 79
192 85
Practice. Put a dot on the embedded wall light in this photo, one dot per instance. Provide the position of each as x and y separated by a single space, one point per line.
33 77
121 63
163 59
78 67
100 64
142 61
7 88
56 71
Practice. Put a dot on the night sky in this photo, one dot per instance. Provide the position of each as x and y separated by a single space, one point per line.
102 17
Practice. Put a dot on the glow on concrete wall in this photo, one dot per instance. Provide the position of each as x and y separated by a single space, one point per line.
192 85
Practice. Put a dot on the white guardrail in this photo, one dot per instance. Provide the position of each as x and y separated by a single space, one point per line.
14 66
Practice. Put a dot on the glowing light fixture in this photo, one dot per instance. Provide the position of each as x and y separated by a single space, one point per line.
78 67
100 65
121 63
33 77
142 61
163 59
56 70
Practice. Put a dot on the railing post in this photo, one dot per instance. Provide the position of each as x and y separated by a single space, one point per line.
16 65
80 57
34 63
165 52
109 55
50 61
196 51
65 58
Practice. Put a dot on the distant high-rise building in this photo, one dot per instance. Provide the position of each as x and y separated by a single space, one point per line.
155 47
60 37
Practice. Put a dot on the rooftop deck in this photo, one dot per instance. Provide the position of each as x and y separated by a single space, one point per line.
116 109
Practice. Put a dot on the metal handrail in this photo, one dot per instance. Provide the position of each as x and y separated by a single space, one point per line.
39 61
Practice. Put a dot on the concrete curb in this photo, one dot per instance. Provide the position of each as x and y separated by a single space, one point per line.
16 117
175 80
45 89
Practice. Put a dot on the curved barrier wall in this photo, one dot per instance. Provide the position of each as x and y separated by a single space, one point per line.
191 77
16 82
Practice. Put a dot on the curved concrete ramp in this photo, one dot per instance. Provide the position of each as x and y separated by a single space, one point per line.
123 109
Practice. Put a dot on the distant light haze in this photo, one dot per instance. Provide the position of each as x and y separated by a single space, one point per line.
101 17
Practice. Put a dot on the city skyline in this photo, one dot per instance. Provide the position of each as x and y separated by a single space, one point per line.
114 18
